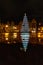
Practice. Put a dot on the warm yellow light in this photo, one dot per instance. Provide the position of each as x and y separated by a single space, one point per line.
14 35
8 42
6 38
6 26
39 34
16 30
41 28
39 23
41 31
38 28
14 27
6 34
14 42
33 31
39 40
42 36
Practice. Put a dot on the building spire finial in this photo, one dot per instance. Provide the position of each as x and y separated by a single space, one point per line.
25 14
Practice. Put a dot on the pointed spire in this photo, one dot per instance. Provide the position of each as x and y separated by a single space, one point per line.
25 24
25 14
24 32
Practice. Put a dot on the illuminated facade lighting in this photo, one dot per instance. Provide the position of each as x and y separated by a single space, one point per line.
14 27
6 26
14 35
33 31
42 28
39 40
6 34
38 28
6 38
25 32
39 34
14 42
39 23
8 42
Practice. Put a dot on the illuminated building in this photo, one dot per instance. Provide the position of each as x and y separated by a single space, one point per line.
25 33
33 31
40 33
14 35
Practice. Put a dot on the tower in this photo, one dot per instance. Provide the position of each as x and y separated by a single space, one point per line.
25 32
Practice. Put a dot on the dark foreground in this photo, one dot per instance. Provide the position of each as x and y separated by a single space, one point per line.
12 55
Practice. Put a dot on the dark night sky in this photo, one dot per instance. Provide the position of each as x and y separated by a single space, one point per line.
17 8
